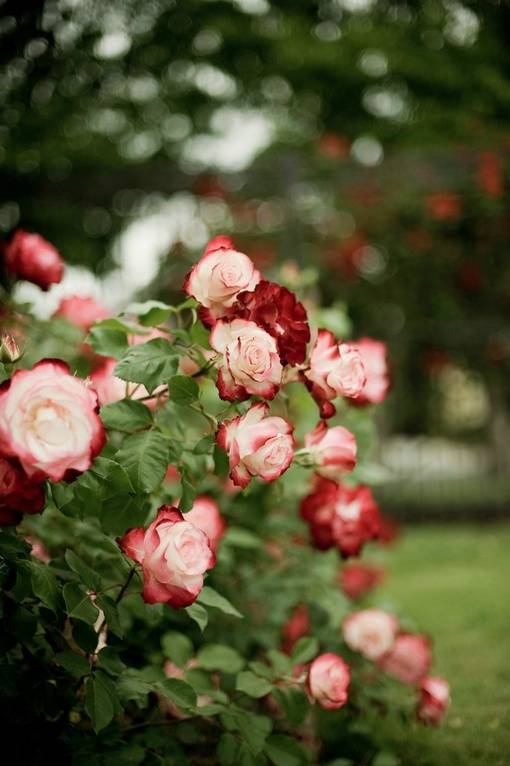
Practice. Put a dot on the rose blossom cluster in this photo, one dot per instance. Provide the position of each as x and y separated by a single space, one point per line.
259 329
340 516
406 656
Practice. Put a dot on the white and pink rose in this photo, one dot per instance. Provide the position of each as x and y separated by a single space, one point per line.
174 555
370 632
218 277
328 681
249 361
257 445
49 421
332 449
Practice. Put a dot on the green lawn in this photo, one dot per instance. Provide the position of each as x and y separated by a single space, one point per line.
454 582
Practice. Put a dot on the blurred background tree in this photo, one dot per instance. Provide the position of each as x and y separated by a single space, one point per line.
364 141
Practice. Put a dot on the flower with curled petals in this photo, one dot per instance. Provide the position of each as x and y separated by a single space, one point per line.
257 445
174 555
49 421
249 362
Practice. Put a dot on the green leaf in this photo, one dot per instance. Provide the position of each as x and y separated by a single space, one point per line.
200 335
123 512
252 685
145 457
126 415
204 446
183 390
150 363
220 657
386 759
109 339
151 313
285 751
242 538
199 615
109 660
210 597
221 464
179 692
188 492
254 729
227 750
305 650
177 647
78 603
87 575
75 664
45 585
98 703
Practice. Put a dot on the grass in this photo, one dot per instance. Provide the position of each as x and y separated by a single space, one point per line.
454 582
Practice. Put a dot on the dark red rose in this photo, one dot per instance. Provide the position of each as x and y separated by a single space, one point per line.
341 516
29 256
18 494
277 310
297 626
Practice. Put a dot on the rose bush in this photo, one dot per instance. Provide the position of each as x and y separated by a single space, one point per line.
160 599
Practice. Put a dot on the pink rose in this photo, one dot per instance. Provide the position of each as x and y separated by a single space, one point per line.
373 355
174 554
409 659
257 445
371 632
434 700
206 515
219 276
109 388
250 363
49 421
328 681
80 311
29 256
333 450
18 494
335 369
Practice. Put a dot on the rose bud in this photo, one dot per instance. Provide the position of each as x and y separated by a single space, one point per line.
278 312
341 516
18 494
206 515
335 369
328 681
250 364
49 421
410 658
434 700
218 277
174 554
297 626
81 311
257 445
333 450
374 357
9 350
358 579
371 632
29 256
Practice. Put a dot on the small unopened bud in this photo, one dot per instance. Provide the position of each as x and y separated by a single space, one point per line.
9 350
